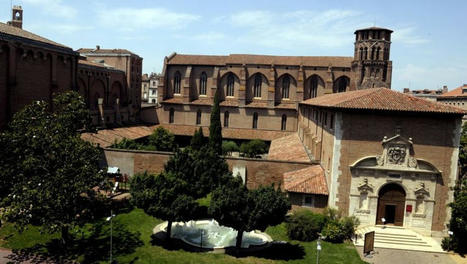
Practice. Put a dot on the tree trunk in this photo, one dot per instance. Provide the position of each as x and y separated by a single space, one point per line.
65 235
239 239
169 230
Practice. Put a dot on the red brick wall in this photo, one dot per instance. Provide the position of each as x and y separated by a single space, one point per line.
433 141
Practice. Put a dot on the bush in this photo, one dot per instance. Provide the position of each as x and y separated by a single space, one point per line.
162 139
337 230
253 148
228 147
305 225
126 143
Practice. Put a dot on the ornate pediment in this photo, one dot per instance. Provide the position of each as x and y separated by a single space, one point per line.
364 187
397 151
421 191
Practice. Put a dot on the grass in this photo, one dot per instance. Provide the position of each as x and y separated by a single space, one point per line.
132 244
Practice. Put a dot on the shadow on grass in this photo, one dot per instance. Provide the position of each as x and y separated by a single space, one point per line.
275 250
91 247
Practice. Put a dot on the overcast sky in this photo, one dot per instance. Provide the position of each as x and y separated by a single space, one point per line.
429 47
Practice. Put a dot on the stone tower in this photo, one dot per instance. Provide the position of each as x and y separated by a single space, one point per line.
16 17
371 63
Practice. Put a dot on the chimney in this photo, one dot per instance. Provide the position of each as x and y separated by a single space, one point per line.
445 88
16 17
98 47
406 90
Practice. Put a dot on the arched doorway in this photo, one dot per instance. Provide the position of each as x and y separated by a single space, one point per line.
391 203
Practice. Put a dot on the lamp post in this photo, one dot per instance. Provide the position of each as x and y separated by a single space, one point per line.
318 249
110 219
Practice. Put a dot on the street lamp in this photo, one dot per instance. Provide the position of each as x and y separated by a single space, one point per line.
318 249
110 219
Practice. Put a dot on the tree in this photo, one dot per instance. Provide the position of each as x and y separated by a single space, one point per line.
47 171
163 196
215 127
198 140
228 147
253 148
162 139
458 222
235 206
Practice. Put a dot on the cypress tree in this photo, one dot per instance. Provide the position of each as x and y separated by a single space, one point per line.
215 128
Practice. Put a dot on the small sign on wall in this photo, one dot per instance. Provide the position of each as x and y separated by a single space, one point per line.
408 208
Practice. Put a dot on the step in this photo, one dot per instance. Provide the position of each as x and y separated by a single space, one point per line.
402 242
396 235
414 239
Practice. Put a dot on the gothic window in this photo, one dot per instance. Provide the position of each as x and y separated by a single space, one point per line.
255 120
361 53
177 79
377 53
230 85
365 53
341 85
171 115
284 122
198 117
226 119
285 87
203 83
372 53
257 85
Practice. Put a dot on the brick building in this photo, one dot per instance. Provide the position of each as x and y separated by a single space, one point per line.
456 97
385 154
427 94
31 67
144 88
262 92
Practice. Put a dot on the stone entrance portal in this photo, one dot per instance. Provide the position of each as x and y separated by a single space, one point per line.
391 203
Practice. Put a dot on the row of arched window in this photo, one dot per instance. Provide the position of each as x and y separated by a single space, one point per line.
227 119
374 53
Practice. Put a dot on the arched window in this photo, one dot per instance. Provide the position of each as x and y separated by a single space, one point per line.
257 85
198 117
341 84
285 86
203 83
255 120
365 53
284 122
171 115
314 87
377 53
230 85
361 53
372 53
226 119
177 79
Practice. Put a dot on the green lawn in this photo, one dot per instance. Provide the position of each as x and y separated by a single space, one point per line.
132 244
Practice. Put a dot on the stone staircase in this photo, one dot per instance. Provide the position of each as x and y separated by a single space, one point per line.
398 238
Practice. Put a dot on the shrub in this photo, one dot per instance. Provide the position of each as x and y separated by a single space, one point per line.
253 148
228 147
126 143
162 139
337 230
305 225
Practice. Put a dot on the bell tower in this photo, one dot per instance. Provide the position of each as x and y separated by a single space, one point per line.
16 17
371 63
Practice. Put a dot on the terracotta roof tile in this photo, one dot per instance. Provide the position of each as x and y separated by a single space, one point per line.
325 61
456 92
308 180
288 148
381 99
257 104
86 51
229 102
107 137
175 100
202 101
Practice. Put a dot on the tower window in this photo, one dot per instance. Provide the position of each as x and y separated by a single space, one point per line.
314 86
230 85
198 117
284 122
377 53
365 53
226 119
257 85
285 87
255 120
203 83
171 115
177 79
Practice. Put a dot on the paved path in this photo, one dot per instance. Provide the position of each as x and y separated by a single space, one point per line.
394 256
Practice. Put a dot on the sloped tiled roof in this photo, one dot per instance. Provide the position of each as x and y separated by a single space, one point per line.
7 32
325 61
107 137
288 148
97 52
456 92
381 99
308 180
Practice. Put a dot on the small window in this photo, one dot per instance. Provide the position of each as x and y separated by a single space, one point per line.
284 122
230 85
257 85
177 79
307 201
255 120
171 115
332 121
203 83
226 119
198 117
285 87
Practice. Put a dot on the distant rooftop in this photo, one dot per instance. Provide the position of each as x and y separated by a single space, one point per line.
98 51
460 91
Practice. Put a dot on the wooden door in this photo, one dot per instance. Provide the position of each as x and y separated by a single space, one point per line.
391 203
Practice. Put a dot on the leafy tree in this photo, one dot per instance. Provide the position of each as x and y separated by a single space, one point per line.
215 127
198 140
47 173
305 225
126 143
463 150
458 221
234 205
228 147
162 139
163 196
253 148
